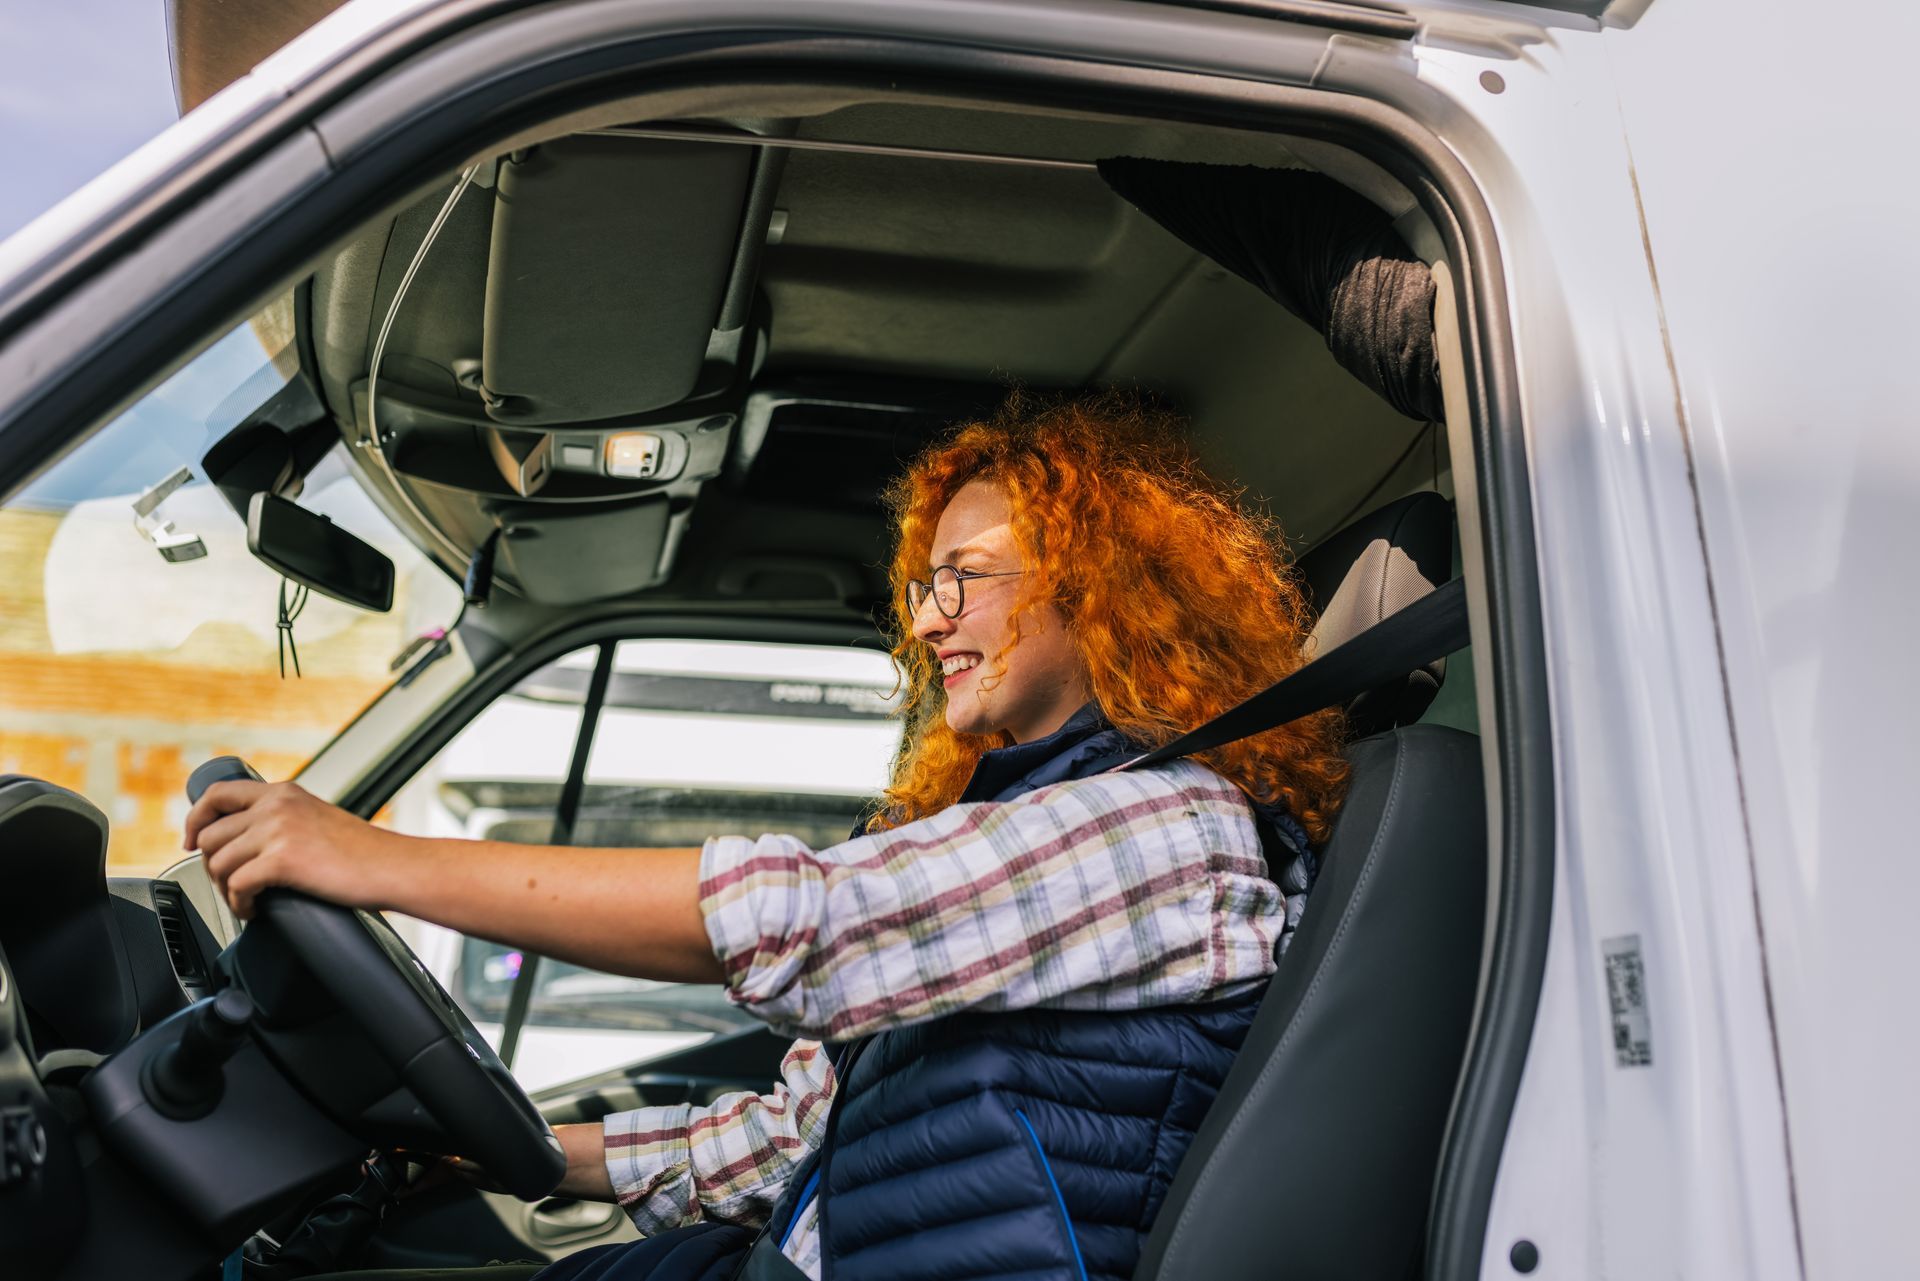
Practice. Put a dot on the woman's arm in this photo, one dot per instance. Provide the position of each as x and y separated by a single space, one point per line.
586 1148
1116 891
728 1161
1122 890
633 912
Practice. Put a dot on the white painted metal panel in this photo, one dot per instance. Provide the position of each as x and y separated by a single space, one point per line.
1617 1167
1775 163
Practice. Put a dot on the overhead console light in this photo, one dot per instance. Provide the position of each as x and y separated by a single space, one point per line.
644 455
563 466
634 455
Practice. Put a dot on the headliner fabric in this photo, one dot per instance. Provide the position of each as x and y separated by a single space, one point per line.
1325 254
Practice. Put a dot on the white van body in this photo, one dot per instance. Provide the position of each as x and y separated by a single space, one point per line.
1707 221
1708 254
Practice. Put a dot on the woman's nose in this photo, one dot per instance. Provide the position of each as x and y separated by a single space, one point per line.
929 624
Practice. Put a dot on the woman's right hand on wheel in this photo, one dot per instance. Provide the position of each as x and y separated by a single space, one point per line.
586 1178
255 836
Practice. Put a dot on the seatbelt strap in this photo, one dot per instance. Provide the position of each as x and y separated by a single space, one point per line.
1431 627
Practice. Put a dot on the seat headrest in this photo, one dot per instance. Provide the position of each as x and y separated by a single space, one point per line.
1373 567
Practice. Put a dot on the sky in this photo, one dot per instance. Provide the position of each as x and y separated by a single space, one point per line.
82 83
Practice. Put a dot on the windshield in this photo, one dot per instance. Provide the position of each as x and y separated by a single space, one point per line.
138 636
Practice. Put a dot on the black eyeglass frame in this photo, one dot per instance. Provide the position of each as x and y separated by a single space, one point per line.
930 588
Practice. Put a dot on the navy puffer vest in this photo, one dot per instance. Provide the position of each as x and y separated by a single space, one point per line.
1031 1145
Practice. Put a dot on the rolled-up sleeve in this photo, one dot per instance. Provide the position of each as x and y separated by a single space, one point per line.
726 1162
1118 891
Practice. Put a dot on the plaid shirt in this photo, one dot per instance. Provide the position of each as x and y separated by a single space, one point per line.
1119 891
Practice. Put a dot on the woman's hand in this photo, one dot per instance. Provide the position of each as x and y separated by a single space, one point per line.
586 1178
255 836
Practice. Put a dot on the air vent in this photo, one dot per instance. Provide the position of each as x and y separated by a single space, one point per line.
170 905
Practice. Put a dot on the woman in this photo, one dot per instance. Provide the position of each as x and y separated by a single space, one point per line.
1034 969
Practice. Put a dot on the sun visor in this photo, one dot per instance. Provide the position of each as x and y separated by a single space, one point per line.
559 557
609 260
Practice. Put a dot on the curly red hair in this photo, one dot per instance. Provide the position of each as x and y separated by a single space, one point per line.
1179 602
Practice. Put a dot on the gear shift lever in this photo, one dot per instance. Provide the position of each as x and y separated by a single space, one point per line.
185 1080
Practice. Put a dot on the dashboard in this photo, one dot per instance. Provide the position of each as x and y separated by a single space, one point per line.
97 978
162 1097
94 960
86 964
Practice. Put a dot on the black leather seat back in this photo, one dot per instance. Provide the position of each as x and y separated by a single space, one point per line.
1318 1158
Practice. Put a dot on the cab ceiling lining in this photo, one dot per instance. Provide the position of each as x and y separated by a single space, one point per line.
954 269
438 320
942 269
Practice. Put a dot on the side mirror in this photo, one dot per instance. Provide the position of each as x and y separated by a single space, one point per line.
313 551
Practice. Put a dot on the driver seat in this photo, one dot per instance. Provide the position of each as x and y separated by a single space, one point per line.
1317 1159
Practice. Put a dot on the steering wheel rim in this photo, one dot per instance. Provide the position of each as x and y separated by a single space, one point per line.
424 1035
412 1023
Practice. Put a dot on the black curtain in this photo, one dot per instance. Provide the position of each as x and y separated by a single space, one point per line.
1324 253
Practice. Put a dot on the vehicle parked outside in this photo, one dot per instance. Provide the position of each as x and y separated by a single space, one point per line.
697 738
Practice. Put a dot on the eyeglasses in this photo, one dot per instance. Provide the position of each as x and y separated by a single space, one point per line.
948 590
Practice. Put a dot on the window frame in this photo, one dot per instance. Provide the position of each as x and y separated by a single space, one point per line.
603 635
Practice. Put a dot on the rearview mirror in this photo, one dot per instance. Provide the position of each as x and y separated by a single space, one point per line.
311 550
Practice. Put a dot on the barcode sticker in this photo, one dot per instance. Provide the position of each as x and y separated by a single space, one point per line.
1627 998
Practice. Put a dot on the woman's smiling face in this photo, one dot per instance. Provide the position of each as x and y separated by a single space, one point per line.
1043 683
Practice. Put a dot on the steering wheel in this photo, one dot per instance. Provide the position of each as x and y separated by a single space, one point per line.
412 1023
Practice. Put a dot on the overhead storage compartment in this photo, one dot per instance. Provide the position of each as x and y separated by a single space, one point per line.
610 257
572 555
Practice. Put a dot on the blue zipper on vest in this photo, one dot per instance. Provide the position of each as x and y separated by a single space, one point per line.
1046 1167
806 1199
